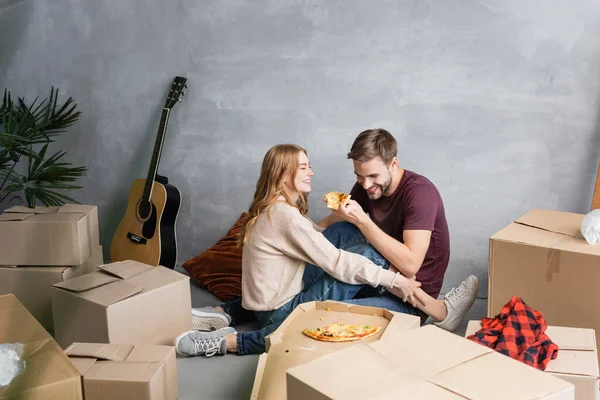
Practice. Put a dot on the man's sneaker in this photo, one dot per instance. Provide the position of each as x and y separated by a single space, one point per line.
209 319
458 301
196 343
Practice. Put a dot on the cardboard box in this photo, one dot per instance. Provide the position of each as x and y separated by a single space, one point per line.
49 374
118 372
577 360
423 363
32 285
122 302
542 258
288 346
64 235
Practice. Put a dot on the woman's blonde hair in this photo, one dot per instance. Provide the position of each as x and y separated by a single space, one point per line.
280 162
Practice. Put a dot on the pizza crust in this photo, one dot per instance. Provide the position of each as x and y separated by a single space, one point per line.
334 199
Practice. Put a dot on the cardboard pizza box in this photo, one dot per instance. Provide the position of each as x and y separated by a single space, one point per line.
577 359
58 236
48 374
31 284
122 302
423 363
119 372
288 347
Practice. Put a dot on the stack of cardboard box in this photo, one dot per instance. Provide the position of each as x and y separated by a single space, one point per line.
43 246
114 324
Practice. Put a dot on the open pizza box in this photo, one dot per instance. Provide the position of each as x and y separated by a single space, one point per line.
423 363
577 359
288 347
58 236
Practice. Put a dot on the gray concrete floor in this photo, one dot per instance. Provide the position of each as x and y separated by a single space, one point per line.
231 377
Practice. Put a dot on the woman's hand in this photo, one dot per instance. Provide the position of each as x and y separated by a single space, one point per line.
406 289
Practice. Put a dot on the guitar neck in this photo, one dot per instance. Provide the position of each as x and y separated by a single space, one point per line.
160 137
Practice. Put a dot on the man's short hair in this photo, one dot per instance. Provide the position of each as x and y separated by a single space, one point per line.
374 143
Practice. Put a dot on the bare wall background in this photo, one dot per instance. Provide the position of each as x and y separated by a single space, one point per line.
497 102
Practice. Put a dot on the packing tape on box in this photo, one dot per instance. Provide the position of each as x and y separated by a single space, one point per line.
553 262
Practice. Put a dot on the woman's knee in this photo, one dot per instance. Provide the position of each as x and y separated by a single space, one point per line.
341 233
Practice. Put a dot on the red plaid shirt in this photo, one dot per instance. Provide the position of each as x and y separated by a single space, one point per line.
518 332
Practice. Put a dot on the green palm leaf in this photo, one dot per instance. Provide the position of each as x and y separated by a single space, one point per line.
23 128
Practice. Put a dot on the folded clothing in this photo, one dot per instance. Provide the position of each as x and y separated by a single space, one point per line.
518 331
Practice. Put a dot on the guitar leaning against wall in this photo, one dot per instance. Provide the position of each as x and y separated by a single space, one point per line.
146 232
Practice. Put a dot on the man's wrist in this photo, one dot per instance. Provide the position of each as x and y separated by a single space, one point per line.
365 224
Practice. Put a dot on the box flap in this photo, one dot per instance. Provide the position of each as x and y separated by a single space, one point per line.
150 353
258 377
111 294
47 365
480 379
123 371
125 269
101 351
444 350
565 223
378 378
572 338
575 362
15 216
86 282
35 210
82 364
374 379
17 324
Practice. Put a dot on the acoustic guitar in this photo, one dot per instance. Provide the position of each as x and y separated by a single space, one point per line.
147 231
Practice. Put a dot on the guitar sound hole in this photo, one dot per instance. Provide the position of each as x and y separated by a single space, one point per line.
144 209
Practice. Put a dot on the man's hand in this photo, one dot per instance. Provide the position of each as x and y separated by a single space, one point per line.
351 212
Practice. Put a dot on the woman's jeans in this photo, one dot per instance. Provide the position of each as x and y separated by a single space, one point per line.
319 286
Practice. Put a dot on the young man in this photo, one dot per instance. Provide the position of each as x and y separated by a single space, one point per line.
401 213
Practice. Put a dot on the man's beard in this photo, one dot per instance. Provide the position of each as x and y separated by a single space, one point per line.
384 188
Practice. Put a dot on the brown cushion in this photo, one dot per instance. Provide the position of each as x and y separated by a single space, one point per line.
219 268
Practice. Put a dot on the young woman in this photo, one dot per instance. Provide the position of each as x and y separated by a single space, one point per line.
288 260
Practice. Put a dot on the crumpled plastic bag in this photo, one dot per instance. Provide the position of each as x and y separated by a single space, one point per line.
11 364
590 227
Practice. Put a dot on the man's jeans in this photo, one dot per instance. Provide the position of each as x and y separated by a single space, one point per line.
319 286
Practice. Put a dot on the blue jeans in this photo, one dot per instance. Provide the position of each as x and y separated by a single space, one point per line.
319 286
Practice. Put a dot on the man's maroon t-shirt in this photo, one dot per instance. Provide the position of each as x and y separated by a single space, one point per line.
415 204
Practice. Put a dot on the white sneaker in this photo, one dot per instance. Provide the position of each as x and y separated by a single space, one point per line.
458 301
209 319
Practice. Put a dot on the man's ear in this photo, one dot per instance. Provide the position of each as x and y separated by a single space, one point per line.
394 162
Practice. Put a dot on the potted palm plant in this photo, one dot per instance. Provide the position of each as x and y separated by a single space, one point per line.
29 172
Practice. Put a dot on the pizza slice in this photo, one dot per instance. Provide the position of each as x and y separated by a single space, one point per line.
334 199
341 332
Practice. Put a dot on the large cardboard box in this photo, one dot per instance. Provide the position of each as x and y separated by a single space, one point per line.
288 346
423 363
119 372
63 235
32 285
577 360
48 374
542 258
122 302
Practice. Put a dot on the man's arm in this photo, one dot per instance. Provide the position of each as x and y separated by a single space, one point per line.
419 218
407 257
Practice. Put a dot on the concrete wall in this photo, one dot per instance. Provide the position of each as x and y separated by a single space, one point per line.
496 102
